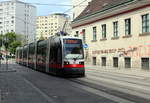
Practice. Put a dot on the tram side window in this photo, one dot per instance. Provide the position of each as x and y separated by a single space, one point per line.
25 53
20 54
31 52
39 54
44 53
51 59
55 53
59 54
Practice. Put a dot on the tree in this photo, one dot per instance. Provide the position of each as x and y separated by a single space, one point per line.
1 42
11 42
13 46
1 37
8 38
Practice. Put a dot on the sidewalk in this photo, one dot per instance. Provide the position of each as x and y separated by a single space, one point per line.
127 71
5 68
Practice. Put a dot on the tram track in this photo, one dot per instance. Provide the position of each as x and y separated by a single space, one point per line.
103 89
121 79
118 96
117 74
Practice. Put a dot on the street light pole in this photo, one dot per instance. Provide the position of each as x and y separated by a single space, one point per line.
6 54
6 49
0 49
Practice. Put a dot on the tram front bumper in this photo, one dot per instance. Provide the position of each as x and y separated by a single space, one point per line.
73 71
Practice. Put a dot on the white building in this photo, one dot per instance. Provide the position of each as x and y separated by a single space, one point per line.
78 6
18 17
51 24
117 33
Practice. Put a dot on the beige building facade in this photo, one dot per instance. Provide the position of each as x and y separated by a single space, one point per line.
117 37
51 24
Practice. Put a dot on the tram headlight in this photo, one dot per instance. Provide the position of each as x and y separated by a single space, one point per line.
66 62
81 63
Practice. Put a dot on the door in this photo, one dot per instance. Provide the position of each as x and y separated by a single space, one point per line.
127 62
115 61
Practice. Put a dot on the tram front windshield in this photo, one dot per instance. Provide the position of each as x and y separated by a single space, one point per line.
73 49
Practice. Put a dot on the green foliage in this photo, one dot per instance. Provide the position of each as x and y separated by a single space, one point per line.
11 42
1 37
8 38
13 46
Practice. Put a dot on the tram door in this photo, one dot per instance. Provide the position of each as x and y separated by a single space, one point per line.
55 59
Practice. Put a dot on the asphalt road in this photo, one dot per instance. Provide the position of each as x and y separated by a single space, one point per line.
25 85
29 86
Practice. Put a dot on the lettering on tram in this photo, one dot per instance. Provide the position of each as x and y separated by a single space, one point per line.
59 55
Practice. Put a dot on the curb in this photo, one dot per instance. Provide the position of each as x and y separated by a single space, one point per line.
5 71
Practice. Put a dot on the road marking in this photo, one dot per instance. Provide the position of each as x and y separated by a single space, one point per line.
102 94
49 99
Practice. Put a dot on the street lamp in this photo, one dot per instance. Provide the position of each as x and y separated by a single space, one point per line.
5 42
0 48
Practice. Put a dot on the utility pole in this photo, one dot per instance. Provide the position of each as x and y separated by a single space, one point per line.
0 49
6 49
6 53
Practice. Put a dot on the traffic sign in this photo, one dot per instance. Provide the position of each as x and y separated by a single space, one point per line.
85 46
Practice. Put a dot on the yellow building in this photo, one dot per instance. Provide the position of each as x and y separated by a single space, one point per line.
117 33
51 24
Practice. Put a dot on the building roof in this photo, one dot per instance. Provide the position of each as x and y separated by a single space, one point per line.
102 9
100 5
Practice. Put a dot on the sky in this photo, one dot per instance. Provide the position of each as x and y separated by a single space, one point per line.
43 10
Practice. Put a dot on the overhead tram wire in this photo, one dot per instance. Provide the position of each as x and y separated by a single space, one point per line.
75 6
51 4
54 4
71 9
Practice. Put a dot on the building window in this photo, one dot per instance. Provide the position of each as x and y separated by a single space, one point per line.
77 34
145 63
83 33
94 33
115 61
115 28
94 60
103 31
103 61
127 62
128 26
145 23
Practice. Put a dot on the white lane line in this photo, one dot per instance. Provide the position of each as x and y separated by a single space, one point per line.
102 94
49 99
